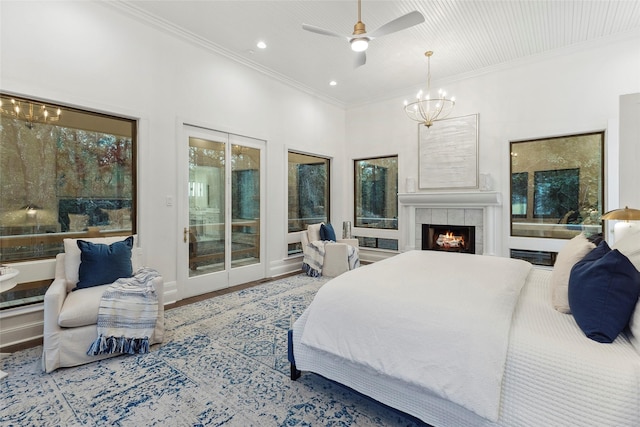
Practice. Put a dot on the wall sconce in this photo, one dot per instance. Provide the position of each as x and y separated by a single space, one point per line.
623 227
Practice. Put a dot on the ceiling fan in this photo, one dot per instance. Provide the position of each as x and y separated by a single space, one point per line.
360 39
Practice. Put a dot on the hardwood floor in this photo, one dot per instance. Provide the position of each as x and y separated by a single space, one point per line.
38 341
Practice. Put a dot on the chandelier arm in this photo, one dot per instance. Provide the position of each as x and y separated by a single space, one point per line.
436 112
427 116
423 113
439 110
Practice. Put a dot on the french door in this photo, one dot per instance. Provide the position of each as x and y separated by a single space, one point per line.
222 211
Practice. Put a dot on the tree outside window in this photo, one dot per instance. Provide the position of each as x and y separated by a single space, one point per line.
308 191
376 193
557 186
63 173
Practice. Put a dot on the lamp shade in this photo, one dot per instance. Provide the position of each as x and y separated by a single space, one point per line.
623 229
625 214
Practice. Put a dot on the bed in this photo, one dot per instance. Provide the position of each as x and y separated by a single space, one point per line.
488 349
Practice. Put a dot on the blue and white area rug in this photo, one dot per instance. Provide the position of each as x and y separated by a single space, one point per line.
223 363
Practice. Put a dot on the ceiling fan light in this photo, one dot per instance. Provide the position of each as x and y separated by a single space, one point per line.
359 44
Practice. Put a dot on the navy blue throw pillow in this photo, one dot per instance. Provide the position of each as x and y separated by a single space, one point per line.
603 291
101 264
327 233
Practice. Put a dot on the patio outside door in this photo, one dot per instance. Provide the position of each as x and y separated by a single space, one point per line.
222 219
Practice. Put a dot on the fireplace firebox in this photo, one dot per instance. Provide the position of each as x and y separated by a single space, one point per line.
450 238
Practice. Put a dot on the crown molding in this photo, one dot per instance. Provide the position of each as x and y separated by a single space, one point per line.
179 32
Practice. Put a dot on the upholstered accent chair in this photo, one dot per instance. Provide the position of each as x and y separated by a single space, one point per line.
336 256
70 317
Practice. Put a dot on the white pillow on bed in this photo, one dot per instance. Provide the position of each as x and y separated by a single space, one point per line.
634 327
572 252
629 246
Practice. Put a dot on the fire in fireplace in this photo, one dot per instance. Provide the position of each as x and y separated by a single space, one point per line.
450 238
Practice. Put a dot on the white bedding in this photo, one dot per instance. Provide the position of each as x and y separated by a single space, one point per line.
452 342
554 375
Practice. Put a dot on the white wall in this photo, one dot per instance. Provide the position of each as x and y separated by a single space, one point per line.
630 152
567 92
92 56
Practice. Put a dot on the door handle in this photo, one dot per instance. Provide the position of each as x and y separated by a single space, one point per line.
185 235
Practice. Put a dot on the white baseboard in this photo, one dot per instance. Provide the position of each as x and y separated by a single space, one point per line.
21 324
373 255
170 292
284 266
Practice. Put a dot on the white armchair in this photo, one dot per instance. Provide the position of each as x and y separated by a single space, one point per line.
70 318
336 256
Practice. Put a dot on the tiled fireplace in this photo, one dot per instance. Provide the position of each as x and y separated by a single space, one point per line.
478 209
449 238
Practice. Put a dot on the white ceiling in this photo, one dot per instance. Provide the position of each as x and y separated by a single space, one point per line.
467 36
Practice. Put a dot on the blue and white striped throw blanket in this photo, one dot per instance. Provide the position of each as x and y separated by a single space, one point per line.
314 258
127 315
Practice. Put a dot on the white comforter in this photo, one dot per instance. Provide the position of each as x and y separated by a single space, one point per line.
437 320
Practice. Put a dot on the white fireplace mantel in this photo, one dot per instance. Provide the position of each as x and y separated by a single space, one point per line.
489 201
467 199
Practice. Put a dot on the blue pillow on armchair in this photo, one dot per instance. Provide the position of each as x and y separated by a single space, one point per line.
101 264
603 292
327 232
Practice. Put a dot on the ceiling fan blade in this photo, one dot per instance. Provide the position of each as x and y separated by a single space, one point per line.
361 59
398 24
322 31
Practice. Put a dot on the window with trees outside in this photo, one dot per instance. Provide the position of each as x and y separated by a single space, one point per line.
557 186
376 199
65 173
308 191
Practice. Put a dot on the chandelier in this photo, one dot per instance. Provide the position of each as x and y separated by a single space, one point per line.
425 109
28 111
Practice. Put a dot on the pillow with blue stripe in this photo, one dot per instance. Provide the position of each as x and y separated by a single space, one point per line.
603 290
101 263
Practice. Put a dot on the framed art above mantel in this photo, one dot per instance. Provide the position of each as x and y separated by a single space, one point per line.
448 154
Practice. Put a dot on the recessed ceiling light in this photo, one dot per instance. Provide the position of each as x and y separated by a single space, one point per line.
333 83
261 45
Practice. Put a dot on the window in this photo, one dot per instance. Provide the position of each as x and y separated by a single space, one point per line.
376 193
377 243
65 173
519 183
557 186
555 192
545 258
308 178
